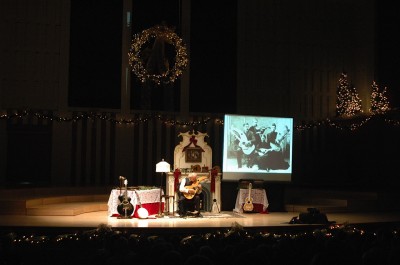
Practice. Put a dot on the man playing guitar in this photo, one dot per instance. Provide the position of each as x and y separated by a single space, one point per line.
189 192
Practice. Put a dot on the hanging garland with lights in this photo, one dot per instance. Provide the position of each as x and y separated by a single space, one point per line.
137 61
92 238
109 117
169 120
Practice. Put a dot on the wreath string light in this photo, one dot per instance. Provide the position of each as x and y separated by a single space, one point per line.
136 55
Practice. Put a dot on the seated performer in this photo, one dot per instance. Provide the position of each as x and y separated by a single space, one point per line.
189 193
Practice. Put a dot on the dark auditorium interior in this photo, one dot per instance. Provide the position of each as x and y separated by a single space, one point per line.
94 90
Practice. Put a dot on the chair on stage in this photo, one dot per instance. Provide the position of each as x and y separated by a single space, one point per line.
187 205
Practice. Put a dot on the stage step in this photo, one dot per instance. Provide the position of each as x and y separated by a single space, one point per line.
47 203
323 205
66 209
329 201
322 208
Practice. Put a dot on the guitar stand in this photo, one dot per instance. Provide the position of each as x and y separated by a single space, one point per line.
125 216
250 211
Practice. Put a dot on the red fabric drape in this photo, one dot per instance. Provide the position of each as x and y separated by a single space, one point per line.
194 142
213 175
177 174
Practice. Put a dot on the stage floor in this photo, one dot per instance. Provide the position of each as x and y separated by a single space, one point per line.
271 221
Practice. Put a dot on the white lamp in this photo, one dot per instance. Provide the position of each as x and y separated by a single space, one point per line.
162 167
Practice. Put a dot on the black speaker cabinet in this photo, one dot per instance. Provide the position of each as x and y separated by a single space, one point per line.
313 218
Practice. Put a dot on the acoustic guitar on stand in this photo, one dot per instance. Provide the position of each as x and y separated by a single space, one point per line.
125 208
248 204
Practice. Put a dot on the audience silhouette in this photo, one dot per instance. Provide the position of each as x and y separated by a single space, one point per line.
105 246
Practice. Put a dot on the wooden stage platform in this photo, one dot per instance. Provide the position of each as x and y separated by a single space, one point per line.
76 209
275 221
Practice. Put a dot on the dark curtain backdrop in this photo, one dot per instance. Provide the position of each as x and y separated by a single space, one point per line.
95 54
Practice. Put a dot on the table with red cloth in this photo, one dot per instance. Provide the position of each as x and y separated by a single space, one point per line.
259 199
149 198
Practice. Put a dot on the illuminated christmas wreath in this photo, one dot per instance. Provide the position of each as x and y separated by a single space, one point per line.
137 62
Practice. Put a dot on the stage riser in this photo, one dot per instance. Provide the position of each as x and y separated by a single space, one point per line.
67 209
298 199
333 206
31 193
13 208
322 208
69 205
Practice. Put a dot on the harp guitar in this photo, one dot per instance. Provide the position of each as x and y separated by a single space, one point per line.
194 186
125 208
246 146
248 204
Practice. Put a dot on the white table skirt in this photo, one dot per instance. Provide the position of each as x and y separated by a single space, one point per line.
145 196
259 196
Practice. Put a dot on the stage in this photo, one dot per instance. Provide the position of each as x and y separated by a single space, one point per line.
273 222
81 239
66 210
